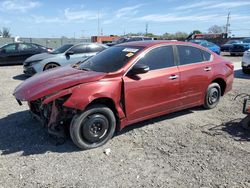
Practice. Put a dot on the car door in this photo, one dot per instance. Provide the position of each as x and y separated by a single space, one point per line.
156 91
195 74
9 54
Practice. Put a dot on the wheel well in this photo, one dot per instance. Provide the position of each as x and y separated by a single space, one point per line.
222 84
110 104
50 63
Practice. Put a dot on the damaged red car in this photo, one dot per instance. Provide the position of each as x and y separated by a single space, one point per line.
123 85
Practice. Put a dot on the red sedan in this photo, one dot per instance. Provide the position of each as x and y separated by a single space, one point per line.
125 84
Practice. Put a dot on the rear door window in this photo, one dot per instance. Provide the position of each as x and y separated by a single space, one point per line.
159 58
189 55
206 55
25 47
94 48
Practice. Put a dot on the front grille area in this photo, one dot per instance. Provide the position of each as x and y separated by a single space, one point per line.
29 71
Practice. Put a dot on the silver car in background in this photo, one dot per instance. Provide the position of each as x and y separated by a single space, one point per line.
246 62
65 55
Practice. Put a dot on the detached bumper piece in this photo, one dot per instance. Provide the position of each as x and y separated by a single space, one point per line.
19 102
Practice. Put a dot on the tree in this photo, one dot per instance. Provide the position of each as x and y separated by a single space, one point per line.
6 33
197 31
215 29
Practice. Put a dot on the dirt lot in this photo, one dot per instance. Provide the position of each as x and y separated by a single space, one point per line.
191 148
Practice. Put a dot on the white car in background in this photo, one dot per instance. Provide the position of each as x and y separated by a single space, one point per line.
246 62
65 55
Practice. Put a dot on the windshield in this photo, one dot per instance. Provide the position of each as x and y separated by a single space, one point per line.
234 42
62 49
111 59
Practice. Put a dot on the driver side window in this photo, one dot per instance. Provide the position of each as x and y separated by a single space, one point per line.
158 58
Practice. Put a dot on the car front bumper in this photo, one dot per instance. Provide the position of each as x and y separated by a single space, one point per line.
29 71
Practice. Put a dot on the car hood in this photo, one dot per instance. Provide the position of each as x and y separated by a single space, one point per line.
39 57
52 81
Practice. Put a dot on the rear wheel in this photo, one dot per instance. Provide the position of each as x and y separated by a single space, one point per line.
50 66
93 128
213 95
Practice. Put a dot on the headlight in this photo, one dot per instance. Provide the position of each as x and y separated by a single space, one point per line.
30 63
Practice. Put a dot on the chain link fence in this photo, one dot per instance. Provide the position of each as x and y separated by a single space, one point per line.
48 42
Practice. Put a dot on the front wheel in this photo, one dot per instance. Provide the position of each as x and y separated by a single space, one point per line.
93 128
50 66
245 71
213 95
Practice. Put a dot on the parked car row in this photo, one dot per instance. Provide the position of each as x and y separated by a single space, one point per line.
236 47
125 84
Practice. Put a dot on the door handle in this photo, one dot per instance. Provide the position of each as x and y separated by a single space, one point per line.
208 69
173 77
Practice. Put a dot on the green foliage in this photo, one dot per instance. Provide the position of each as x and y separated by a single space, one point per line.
6 32
175 36
197 32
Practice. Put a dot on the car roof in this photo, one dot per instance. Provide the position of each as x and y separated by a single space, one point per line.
155 43
88 43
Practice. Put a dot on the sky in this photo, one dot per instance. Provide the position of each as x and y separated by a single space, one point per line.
79 18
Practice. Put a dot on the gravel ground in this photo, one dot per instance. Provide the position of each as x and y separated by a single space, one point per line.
191 148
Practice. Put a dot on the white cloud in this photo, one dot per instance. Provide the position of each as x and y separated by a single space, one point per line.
42 19
82 15
213 5
19 6
194 5
124 13
128 11
228 5
173 18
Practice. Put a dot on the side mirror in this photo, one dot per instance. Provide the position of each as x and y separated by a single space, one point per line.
68 53
139 69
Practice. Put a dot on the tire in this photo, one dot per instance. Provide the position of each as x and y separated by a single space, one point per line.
213 95
50 66
245 71
93 127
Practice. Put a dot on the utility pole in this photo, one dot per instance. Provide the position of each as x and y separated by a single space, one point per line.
98 24
228 24
146 29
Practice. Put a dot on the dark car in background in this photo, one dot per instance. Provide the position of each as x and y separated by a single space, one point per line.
129 39
240 48
226 47
16 53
